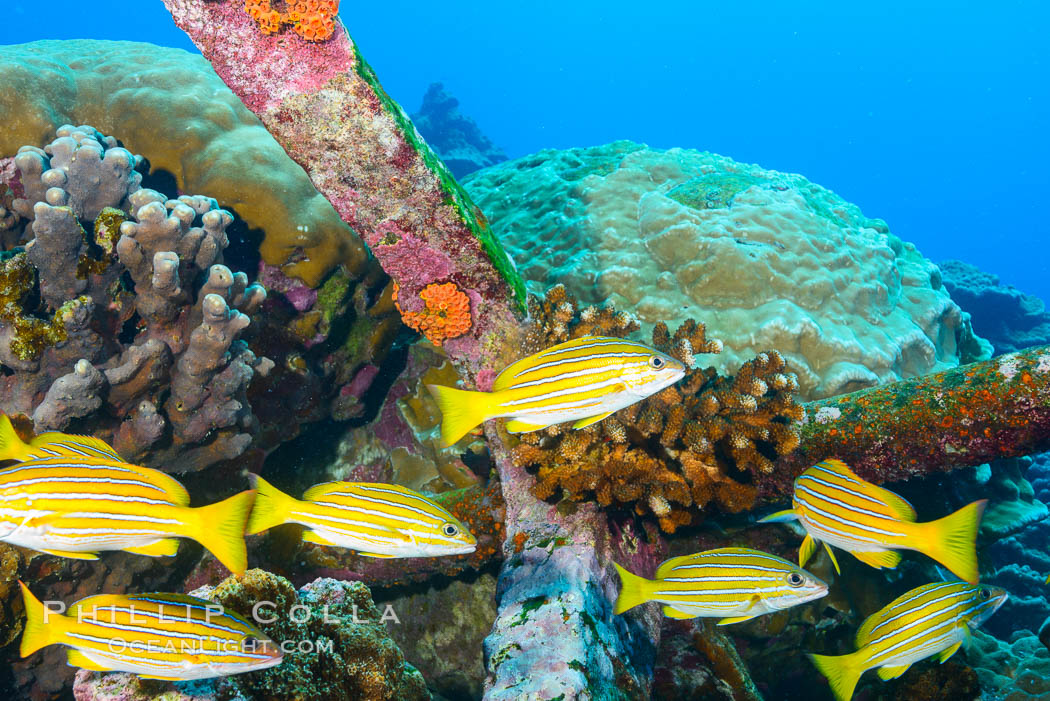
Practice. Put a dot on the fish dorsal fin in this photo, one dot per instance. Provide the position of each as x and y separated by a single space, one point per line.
898 505
319 490
665 568
864 632
72 446
506 378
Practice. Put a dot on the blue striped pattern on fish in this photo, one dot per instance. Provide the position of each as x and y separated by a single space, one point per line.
157 636
378 520
583 380
77 506
840 509
732 583
934 619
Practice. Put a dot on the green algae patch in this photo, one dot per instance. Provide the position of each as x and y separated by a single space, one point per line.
454 194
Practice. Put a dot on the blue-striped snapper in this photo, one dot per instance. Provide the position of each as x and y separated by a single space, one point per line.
838 508
375 519
934 619
157 636
734 584
73 496
583 380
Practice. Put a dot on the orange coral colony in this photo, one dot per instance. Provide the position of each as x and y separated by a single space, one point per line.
447 312
313 20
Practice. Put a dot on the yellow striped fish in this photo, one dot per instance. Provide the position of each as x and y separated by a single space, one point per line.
733 583
77 506
157 636
934 619
377 520
583 380
838 508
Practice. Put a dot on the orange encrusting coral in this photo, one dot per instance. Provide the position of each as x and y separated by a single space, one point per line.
313 20
668 455
446 315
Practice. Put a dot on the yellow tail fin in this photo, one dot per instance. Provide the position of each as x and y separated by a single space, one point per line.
220 528
271 506
634 590
461 410
952 540
38 632
11 446
843 672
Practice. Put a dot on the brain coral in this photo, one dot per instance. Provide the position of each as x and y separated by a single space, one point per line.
766 259
168 105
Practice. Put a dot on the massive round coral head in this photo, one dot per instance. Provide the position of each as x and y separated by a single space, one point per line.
446 315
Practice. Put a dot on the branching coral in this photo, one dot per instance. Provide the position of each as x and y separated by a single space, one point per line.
313 20
446 315
121 322
703 440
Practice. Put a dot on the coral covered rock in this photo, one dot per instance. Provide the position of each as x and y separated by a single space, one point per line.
767 259
151 97
336 643
707 438
454 136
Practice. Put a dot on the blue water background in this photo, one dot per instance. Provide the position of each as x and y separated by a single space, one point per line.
930 115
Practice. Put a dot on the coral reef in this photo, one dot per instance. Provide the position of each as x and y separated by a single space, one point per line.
697 661
707 438
767 259
454 136
339 648
1010 319
313 20
137 341
149 96
1014 670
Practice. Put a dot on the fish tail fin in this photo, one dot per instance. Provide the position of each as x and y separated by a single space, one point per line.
220 528
952 540
12 447
271 506
842 671
38 632
634 590
461 410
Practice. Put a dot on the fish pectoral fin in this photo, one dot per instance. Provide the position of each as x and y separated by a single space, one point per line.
313 537
948 652
752 606
76 658
165 547
736 619
516 426
672 612
831 554
591 420
361 552
879 558
806 550
71 554
887 673
779 517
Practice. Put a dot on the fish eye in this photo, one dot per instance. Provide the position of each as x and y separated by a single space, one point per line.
656 362
795 579
985 594
250 643
450 529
